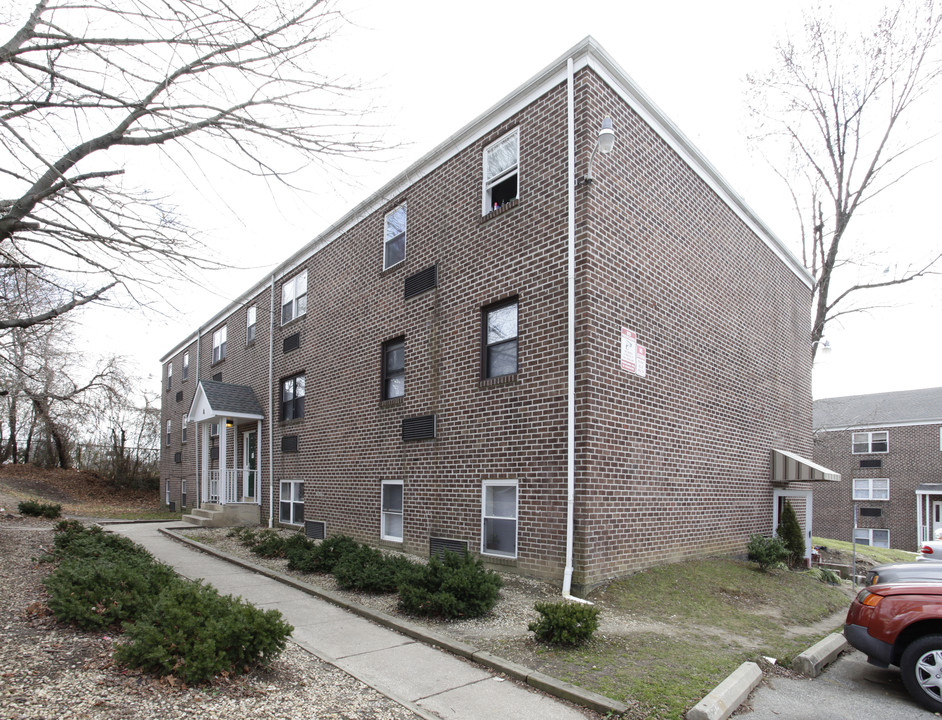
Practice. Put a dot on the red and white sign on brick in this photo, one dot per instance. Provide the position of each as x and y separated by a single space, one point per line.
634 357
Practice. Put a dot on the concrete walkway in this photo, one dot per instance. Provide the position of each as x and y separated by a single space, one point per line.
431 682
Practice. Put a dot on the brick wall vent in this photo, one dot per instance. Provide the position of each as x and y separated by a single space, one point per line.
871 512
217 377
315 529
289 444
438 546
421 282
292 342
179 395
418 428
878 463
214 453
178 458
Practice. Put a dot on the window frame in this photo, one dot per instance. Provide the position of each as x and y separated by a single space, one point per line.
296 489
295 397
186 365
870 532
387 239
251 325
297 301
388 375
183 429
870 442
220 336
169 374
214 429
383 512
489 183
486 346
869 494
485 550
169 431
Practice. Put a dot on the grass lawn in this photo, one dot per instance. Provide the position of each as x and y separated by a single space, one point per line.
877 555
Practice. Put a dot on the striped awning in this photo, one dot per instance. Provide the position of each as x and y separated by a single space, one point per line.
788 467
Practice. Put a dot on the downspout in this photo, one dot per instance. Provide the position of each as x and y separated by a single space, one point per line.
571 350
196 439
271 405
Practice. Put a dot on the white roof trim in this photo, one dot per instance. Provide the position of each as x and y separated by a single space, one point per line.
880 426
585 53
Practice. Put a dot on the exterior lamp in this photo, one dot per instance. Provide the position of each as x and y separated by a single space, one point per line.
604 143
229 422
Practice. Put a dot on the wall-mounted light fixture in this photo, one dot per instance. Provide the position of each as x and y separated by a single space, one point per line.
229 422
604 144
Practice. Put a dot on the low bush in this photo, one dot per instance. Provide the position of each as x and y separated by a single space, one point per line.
194 633
369 570
269 544
458 586
791 535
825 575
564 623
38 509
766 551
328 552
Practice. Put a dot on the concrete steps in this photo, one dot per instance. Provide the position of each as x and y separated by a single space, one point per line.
232 515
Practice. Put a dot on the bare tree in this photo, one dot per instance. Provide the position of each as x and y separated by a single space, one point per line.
840 104
84 83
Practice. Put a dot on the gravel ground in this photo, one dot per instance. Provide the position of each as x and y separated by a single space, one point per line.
51 671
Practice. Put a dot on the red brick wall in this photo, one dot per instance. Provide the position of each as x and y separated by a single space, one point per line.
913 458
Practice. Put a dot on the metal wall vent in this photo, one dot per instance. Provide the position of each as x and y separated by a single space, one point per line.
178 458
871 512
214 453
878 463
418 428
292 342
438 546
421 282
217 377
289 444
315 529
179 395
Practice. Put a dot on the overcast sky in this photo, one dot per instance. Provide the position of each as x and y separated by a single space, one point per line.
433 66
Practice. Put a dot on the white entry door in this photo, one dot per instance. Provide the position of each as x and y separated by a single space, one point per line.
936 517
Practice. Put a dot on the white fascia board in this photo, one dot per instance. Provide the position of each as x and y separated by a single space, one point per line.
880 426
586 53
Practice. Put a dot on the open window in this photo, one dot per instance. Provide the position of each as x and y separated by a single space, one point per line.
219 344
294 298
394 369
499 352
501 172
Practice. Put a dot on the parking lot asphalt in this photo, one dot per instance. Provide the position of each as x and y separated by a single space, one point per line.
849 689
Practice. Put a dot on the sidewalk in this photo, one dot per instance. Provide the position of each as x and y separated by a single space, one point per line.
432 683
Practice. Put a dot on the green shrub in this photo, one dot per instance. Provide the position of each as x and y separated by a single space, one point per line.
329 552
75 541
767 551
565 623
269 544
370 570
194 633
457 587
38 509
302 556
246 535
789 532
825 575
105 592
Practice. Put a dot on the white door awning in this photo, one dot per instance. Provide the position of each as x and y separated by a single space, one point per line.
788 467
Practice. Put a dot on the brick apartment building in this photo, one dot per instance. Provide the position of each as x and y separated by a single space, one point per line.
427 373
888 450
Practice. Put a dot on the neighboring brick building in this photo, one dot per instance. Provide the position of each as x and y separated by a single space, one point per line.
888 450
413 362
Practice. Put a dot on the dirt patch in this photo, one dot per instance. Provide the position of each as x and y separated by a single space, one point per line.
78 491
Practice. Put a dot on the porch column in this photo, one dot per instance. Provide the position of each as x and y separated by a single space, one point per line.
258 464
235 463
223 485
919 531
203 430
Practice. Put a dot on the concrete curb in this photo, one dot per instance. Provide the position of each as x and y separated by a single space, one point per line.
813 660
550 685
728 695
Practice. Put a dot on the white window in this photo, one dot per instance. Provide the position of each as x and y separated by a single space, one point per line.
291 504
186 365
183 430
167 499
501 166
499 533
169 430
250 324
214 430
169 374
394 240
294 298
864 443
219 344
392 510
872 536
183 493
500 340
871 489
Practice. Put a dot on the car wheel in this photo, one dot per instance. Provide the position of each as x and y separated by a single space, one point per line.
921 667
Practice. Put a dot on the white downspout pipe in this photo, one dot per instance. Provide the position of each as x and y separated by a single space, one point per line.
271 405
571 350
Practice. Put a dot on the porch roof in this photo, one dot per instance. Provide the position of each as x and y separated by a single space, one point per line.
218 399
789 467
929 489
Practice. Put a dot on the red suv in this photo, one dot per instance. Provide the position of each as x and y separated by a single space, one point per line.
901 624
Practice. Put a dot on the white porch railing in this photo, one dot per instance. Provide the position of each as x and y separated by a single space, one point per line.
233 488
